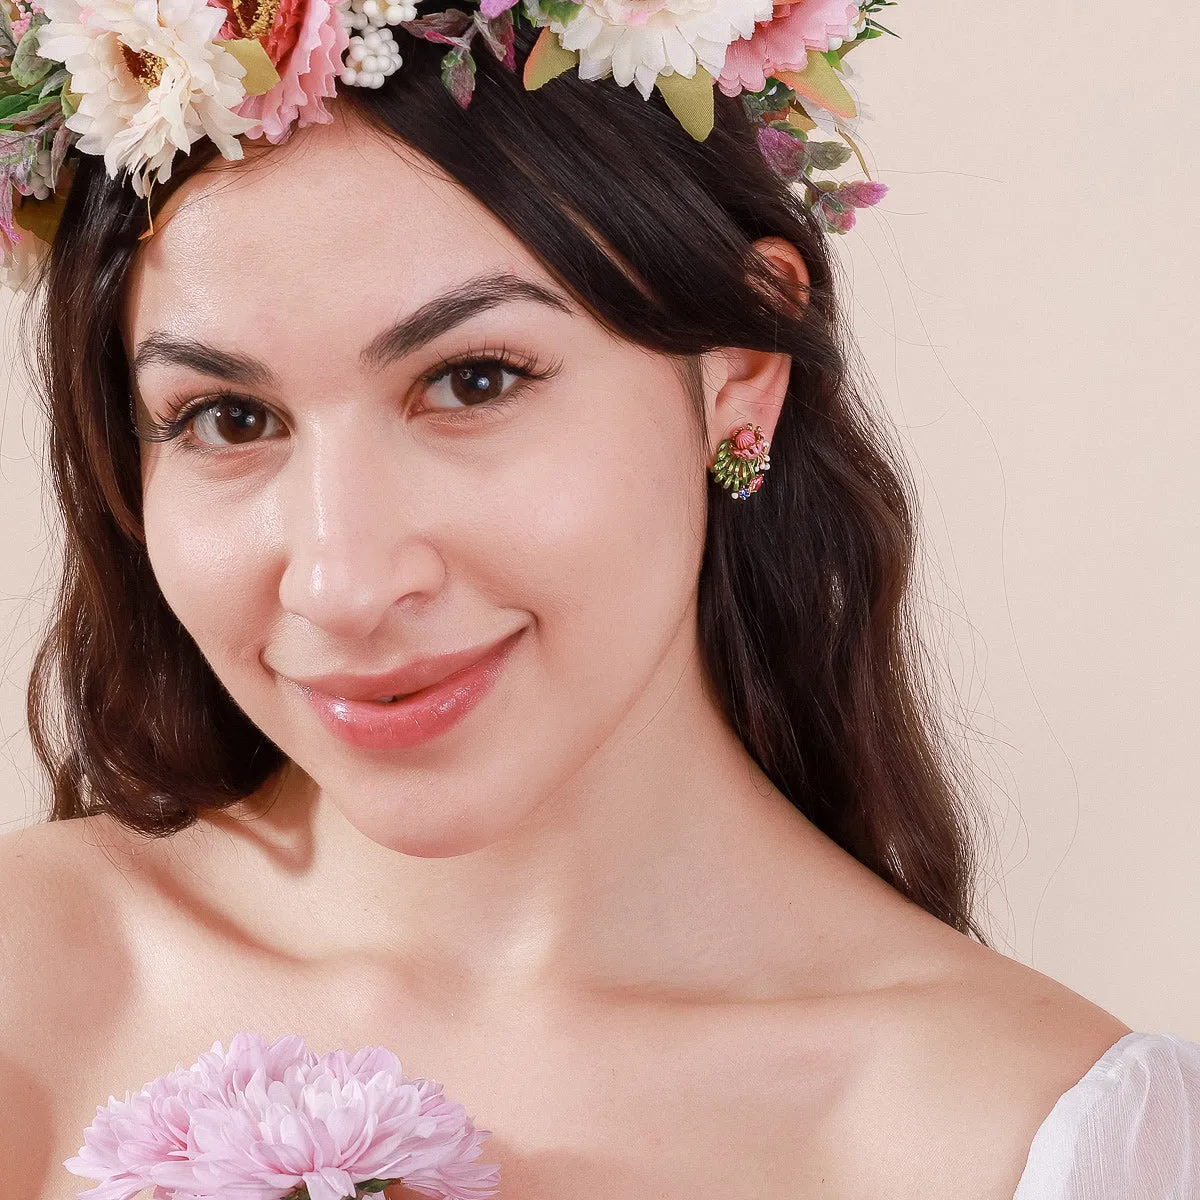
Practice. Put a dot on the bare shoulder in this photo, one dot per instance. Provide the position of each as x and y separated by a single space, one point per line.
60 971
52 873
970 1057
94 928
60 917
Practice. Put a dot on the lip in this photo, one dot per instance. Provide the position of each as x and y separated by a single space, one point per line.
436 692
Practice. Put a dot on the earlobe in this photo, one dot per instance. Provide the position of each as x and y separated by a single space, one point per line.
754 387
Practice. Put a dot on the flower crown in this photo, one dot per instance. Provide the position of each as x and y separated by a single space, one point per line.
138 81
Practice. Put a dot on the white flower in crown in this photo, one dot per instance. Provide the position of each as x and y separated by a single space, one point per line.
149 80
639 40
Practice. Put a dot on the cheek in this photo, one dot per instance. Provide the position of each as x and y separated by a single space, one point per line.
210 568
611 540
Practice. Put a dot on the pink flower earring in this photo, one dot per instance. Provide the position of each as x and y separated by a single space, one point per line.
740 460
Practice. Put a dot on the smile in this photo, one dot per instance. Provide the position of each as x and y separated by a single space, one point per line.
367 712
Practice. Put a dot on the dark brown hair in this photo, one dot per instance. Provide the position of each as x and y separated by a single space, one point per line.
804 621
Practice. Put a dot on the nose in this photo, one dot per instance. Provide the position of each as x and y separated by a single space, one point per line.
357 535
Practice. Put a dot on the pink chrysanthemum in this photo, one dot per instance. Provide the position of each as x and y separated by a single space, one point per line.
783 42
260 1121
306 44
131 1136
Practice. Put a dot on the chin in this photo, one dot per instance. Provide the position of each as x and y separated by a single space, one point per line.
435 830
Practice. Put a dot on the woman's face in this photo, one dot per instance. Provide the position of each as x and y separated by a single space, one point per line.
344 500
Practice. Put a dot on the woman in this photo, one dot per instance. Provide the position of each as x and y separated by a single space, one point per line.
423 689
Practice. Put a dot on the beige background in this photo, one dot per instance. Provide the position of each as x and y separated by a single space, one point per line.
1025 302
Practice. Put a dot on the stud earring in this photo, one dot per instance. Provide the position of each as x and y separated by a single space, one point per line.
740 460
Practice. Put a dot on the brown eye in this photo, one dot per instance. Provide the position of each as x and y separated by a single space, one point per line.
473 383
231 422
470 384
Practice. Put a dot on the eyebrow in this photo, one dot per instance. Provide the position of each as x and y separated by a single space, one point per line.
431 320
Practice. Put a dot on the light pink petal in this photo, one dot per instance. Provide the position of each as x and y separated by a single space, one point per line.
306 78
329 1184
254 1123
783 42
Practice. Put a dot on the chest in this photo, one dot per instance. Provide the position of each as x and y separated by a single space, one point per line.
611 1109
619 1099
604 1101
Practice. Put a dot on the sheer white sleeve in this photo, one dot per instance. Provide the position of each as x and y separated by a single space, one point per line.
1128 1130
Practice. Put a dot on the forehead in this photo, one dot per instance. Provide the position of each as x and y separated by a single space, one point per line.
334 232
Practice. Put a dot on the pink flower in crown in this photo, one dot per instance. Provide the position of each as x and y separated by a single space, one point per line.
22 14
782 43
836 208
305 40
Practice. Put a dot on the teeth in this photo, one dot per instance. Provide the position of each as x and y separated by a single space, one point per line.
387 699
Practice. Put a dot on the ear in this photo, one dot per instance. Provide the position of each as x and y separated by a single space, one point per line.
749 386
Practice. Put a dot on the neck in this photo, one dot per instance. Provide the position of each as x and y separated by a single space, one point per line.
640 870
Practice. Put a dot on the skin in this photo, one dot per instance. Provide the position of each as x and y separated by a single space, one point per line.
584 909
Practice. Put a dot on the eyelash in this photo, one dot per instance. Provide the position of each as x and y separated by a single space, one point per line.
527 367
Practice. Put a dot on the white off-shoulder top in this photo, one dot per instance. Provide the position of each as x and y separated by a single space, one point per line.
1128 1130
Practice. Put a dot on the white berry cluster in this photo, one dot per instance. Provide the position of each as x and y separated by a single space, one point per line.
40 184
373 54
374 14
371 58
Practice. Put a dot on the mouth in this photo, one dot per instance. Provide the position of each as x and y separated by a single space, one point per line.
413 679
372 713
